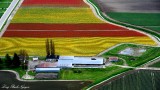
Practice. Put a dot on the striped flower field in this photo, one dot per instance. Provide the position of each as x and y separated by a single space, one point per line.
72 25
67 46
55 15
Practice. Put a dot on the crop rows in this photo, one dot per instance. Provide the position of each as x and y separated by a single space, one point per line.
67 46
55 15
137 80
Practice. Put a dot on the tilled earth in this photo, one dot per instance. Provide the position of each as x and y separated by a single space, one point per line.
151 6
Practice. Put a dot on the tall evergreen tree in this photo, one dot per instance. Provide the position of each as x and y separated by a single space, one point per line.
8 60
47 48
16 62
1 63
52 48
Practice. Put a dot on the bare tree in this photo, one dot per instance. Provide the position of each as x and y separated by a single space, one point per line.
23 55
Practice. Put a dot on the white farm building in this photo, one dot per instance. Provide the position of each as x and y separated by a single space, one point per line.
72 61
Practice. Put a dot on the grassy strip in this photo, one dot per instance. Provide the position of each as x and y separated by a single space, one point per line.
157 28
151 53
5 0
55 15
4 5
139 19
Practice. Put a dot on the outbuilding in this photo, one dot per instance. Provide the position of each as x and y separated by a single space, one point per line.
113 59
35 58
47 70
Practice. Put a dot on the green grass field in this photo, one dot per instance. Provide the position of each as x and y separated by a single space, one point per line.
5 0
4 4
156 28
55 15
139 19
151 53
94 74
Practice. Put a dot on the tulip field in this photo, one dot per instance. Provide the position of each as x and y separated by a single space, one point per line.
55 15
76 29
72 25
67 46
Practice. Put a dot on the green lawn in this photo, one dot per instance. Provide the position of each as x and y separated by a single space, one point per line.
94 74
148 20
156 28
5 0
151 53
4 5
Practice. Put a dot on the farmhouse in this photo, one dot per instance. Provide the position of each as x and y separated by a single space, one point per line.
73 62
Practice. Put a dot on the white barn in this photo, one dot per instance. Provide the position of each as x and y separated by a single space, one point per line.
71 61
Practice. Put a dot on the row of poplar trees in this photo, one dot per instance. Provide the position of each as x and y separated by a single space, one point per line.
50 49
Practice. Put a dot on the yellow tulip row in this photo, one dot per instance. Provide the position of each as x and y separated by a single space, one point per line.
67 46
55 15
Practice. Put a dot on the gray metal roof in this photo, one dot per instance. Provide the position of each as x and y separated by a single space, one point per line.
80 60
47 69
